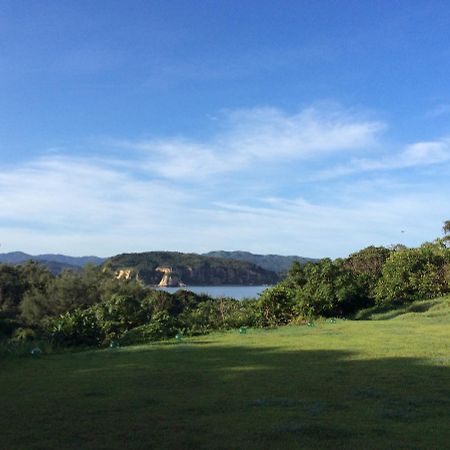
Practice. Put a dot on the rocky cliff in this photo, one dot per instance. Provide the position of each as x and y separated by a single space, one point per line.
176 269
170 277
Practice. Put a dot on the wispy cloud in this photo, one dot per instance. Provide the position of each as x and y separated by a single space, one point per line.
258 136
238 189
413 155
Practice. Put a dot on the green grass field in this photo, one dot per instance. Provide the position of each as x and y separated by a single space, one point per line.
349 384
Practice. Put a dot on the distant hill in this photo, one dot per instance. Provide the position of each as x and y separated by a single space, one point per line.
175 269
55 263
79 261
274 263
213 268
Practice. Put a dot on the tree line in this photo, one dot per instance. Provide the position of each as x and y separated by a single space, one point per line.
95 308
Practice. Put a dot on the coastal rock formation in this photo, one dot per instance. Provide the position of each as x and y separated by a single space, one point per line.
124 274
170 278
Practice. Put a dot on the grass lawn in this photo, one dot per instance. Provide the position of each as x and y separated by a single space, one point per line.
349 384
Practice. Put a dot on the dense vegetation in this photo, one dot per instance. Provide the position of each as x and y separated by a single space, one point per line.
274 263
95 308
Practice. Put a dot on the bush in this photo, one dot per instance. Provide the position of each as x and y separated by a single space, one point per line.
162 326
276 306
367 266
7 325
24 334
330 290
79 327
414 274
118 315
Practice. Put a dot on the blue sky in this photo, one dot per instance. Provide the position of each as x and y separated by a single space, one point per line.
293 127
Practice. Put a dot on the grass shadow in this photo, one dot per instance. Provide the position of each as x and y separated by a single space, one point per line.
392 310
221 397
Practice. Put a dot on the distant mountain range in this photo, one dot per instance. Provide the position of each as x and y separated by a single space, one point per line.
55 263
273 266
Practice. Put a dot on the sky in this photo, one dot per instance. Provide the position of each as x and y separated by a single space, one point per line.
287 127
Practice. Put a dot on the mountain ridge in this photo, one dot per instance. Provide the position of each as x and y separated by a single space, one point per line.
78 261
56 263
275 263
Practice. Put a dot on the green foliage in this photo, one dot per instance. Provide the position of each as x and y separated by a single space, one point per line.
78 327
119 314
16 283
24 334
8 325
367 266
275 263
413 274
162 326
217 314
46 297
330 290
446 230
276 306
235 313
92 307
12 287
296 275
36 305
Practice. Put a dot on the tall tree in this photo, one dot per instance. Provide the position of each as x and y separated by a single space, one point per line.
446 229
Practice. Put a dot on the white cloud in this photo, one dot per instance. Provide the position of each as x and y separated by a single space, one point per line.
258 136
425 153
341 226
414 155
236 190
71 193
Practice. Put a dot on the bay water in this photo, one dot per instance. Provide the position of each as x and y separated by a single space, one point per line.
237 292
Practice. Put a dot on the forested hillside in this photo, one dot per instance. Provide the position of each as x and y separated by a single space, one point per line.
275 263
189 269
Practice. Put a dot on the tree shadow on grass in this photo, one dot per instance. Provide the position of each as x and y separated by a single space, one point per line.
227 397
392 310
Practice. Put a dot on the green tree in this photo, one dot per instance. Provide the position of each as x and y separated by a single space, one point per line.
331 289
77 327
276 306
119 314
414 274
12 288
367 265
446 230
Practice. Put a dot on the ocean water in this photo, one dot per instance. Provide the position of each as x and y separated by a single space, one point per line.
237 292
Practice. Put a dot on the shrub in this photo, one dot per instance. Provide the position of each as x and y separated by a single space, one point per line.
79 327
330 290
162 326
276 306
24 334
119 314
414 274
367 266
